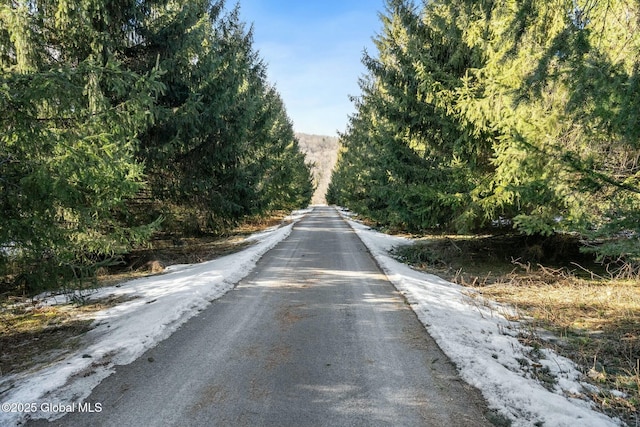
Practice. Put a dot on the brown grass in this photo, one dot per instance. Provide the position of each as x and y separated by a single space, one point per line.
33 335
596 325
170 250
593 318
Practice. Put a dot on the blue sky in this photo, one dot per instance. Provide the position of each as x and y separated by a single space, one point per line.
313 49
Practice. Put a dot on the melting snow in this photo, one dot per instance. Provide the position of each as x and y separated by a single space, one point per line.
472 331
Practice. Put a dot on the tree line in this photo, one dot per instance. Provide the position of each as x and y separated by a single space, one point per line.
124 117
518 114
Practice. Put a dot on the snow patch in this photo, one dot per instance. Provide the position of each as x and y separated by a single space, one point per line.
155 307
476 335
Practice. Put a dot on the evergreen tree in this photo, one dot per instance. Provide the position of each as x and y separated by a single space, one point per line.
212 120
70 114
98 98
429 160
518 110
560 98
281 179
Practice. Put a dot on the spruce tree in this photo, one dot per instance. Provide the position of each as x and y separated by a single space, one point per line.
522 113
70 115
214 118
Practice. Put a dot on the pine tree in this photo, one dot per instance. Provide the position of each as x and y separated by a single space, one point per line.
215 115
523 112
560 99
70 114
429 160
135 111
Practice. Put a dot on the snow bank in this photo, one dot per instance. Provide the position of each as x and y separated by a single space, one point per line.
473 332
156 307
477 337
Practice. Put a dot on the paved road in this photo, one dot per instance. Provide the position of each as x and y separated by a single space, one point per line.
315 336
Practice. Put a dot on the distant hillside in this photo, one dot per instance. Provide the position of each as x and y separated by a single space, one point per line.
323 152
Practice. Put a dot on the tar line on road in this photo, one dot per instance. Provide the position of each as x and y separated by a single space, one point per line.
314 336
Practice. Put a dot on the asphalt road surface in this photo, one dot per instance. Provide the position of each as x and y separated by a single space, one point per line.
315 336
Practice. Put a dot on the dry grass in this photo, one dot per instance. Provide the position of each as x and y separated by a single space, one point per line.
33 335
596 325
594 319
